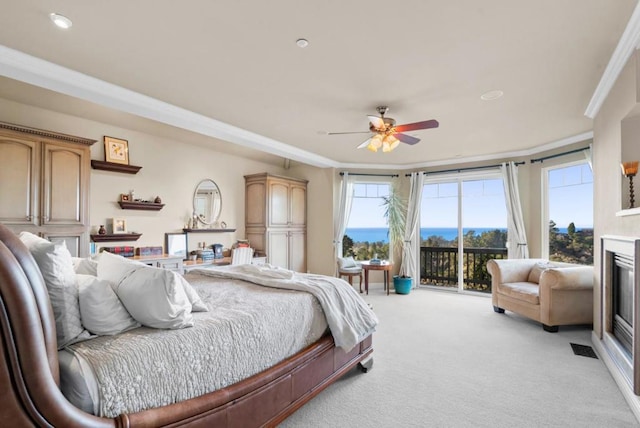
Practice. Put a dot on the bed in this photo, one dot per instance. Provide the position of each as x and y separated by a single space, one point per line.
30 369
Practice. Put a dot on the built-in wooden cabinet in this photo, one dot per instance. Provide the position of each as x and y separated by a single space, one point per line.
276 219
44 184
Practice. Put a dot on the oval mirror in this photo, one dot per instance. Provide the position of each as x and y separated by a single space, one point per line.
207 202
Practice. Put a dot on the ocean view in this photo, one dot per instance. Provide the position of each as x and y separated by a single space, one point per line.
374 234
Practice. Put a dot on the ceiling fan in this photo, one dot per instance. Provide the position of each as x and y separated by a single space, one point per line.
387 135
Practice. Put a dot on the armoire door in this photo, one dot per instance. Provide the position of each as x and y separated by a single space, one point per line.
298 251
65 185
278 250
278 204
19 177
298 205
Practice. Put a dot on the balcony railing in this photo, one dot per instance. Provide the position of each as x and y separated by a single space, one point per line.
439 266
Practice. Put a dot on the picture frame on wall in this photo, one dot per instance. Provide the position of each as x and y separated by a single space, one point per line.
175 244
116 150
119 225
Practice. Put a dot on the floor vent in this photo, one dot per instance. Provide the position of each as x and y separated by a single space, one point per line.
583 350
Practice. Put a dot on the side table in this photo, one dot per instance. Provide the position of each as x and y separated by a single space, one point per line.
384 266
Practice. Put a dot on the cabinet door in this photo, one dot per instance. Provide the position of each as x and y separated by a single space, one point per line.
255 204
77 243
65 185
298 251
298 213
18 181
278 204
278 248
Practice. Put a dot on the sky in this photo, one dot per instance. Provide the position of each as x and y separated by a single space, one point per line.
570 200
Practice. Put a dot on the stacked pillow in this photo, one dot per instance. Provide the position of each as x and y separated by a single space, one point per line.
155 297
56 266
109 295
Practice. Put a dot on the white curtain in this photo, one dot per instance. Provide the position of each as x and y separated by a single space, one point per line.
588 154
517 245
411 247
342 215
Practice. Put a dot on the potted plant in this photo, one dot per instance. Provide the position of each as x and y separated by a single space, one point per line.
395 212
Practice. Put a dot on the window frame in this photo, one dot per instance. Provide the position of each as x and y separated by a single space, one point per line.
544 205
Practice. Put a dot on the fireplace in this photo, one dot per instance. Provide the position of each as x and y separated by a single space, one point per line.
621 305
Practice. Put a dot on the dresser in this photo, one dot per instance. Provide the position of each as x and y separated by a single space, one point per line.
44 185
276 219
163 262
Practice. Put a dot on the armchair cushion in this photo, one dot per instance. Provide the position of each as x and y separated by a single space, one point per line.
537 269
526 291
346 263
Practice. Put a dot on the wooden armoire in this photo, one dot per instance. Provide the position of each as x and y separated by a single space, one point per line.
44 185
276 219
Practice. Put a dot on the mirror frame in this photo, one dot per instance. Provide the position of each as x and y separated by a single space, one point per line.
215 216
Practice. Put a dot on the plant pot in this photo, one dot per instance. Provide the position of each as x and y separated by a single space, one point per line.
402 285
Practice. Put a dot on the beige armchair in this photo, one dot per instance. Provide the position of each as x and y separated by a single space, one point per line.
551 293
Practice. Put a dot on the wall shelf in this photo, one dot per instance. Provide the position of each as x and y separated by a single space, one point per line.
115 167
116 237
207 230
149 206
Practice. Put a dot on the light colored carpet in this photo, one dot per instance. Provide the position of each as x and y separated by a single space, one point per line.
443 359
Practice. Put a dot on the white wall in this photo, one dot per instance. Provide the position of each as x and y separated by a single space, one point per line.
170 169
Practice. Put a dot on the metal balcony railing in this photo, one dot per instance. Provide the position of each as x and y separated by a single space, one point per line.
439 266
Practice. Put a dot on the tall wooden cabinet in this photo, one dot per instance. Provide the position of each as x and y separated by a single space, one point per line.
276 219
44 185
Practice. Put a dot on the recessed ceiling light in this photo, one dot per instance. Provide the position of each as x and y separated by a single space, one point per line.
491 95
302 43
61 20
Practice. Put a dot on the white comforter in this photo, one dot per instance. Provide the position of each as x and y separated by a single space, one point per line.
349 317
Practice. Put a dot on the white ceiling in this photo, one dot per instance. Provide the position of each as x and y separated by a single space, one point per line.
221 63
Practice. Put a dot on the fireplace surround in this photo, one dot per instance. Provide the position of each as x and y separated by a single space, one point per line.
620 308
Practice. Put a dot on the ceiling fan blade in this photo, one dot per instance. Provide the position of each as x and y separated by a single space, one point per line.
342 133
406 138
418 125
376 121
365 144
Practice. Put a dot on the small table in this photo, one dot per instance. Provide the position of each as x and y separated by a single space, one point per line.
384 266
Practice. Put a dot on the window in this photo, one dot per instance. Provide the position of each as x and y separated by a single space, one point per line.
568 213
367 233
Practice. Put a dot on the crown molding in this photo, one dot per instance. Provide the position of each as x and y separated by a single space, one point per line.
629 42
490 157
35 71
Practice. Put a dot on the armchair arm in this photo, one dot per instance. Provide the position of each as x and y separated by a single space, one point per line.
567 278
513 270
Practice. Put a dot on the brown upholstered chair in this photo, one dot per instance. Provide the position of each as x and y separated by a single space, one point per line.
348 267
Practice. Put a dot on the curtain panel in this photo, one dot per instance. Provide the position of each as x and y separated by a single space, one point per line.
411 248
342 215
517 239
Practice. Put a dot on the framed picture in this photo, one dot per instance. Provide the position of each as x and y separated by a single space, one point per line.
124 197
119 225
116 150
175 244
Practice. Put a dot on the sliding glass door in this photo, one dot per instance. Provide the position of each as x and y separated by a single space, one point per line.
463 224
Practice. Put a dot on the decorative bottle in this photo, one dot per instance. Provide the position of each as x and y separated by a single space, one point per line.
102 230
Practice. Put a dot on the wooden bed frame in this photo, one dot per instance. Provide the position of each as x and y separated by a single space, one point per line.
29 374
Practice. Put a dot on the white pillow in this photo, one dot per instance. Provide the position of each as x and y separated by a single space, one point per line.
101 311
56 266
154 297
197 305
347 262
85 266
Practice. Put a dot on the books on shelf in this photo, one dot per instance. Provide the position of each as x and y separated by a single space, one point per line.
124 251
